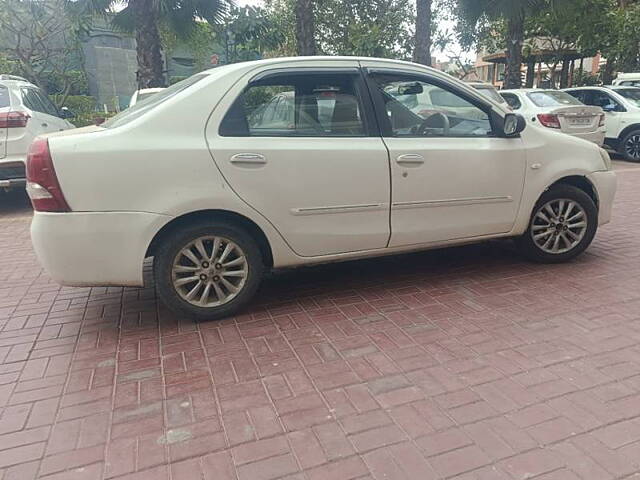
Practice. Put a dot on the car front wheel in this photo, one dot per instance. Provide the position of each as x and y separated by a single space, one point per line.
208 271
562 226
630 146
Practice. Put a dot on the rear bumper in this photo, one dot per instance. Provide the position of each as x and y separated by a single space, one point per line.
12 173
596 137
94 249
606 184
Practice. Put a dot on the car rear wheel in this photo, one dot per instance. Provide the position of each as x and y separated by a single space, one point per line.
562 226
208 271
630 146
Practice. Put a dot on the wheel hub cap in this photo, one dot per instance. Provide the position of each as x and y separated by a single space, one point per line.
209 271
559 226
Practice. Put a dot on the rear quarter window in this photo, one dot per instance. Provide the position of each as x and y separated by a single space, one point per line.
4 97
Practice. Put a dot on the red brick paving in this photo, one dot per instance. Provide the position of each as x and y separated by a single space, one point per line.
467 363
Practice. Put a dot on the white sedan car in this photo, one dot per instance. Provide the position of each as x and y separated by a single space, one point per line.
218 194
559 111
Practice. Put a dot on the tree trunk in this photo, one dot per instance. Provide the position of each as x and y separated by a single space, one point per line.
564 73
422 53
515 39
609 68
148 45
531 72
305 27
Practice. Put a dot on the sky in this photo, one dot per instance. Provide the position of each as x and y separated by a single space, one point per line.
438 53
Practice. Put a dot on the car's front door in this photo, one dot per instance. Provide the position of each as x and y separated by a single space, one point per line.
452 178
301 148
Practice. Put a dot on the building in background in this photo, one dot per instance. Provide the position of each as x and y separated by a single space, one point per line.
542 66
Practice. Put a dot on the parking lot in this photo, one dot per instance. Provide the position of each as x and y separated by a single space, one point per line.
465 363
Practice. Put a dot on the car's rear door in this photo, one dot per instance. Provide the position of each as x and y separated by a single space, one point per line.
320 177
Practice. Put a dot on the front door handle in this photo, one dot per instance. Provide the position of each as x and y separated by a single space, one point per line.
410 160
248 159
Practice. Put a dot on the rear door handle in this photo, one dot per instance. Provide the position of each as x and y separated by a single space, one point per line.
248 159
410 160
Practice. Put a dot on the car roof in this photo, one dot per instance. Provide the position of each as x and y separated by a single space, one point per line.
319 59
16 83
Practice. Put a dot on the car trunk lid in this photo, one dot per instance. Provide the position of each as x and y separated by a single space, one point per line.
578 119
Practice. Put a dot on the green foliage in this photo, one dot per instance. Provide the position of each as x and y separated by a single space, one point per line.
376 28
585 79
247 34
39 41
83 106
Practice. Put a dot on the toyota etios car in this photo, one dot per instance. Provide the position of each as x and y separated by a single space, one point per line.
288 162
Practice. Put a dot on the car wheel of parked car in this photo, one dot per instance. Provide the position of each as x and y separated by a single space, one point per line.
208 271
630 146
562 226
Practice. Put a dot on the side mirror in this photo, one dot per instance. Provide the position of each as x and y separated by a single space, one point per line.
66 113
511 125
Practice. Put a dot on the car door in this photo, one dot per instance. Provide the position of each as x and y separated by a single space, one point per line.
321 179
612 108
451 177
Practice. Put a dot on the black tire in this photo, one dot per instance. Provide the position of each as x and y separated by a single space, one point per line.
176 240
535 253
630 154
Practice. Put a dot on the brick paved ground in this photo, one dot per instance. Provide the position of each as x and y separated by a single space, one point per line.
466 363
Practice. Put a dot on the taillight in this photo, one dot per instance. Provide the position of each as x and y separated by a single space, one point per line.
42 183
602 120
14 119
549 120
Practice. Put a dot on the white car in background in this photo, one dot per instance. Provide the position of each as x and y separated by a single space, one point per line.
559 111
143 94
621 106
230 194
628 80
25 113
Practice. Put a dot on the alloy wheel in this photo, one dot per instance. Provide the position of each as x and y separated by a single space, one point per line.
559 226
632 146
209 271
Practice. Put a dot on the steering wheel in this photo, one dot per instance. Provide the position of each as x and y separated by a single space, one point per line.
425 125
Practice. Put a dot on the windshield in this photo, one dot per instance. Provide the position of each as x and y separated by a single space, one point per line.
151 102
632 95
491 94
553 98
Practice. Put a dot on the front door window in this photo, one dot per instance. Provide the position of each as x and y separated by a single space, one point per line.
419 108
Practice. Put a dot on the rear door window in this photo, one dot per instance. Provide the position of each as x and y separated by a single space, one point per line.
32 101
309 105
4 97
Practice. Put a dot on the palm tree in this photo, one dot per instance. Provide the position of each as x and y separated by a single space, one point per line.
305 27
422 53
514 13
144 17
